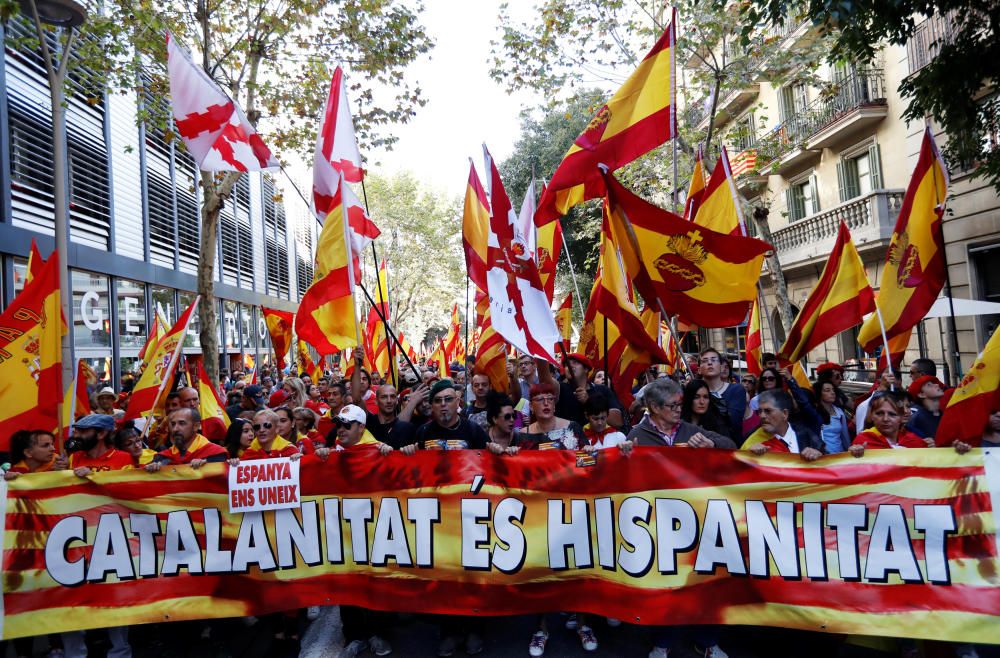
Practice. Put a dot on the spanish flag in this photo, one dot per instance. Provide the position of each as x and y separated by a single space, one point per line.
476 229
279 328
307 365
383 356
31 331
914 265
755 340
482 306
564 320
156 333
636 359
719 206
327 318
35 262
214 419
696 190
150 392
705 277
491 356
453 348
671 348
439 359
840 300
76 402
638 118
977 396
406 347
547 249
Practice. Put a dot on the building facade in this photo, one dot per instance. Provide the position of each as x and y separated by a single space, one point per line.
135 224
813 159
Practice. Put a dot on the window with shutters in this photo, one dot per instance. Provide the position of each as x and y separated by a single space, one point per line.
859 173
241 208
745 133
304 252
802 198
275 243
160 202
188 214
229 245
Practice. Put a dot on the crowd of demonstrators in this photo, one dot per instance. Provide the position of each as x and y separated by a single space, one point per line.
569 407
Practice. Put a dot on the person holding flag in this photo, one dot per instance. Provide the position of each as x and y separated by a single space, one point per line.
188 445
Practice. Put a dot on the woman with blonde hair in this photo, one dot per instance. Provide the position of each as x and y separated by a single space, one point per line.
295 390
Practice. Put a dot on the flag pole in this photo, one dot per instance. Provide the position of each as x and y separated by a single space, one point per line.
607 370
467 324
378 286
572 271
664 314
389 331
885 340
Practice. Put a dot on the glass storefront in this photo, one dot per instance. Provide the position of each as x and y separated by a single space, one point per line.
192 342
91 310
132 327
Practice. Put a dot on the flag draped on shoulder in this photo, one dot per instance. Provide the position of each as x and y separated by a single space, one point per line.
914 266
31 331
705 277
476 229
640 116
214 419
213 127
279 328
977 396
327 318
150 392
840 300
520 309
755 340
491 356
719 205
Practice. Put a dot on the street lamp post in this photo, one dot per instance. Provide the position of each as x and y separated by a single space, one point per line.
65 14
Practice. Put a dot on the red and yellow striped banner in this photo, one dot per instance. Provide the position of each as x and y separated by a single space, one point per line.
898 543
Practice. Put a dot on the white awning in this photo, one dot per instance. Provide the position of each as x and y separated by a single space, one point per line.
942 309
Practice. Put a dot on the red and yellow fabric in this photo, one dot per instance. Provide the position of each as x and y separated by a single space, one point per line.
476 229
696 189
564 320
454 349
671 349
914 266
327 318
977 396
548 246
491 356
639 117
705 277
438 360
279 328
382 353
782 576
280 447
150 392
214 419
840 300
156 334
719 205
635 359
31 331
306 364
407 348
755 340
35 262
200 448
482 307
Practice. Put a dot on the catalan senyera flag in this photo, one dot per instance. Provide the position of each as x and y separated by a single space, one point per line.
755 341
705 277
639 117
564 320
719 206
491 356
214 419
439 359
150 392
31 331
914 266
839 300
548 246
327 318
975 398
279 328
696 190
475 230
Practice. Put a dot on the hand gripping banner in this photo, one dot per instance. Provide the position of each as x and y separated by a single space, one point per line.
898 543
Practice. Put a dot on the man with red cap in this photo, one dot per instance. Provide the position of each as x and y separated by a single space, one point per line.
572 393
926 392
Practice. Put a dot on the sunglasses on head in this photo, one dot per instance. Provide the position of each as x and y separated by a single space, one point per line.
258 426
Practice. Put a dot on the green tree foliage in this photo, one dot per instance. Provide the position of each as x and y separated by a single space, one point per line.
950 89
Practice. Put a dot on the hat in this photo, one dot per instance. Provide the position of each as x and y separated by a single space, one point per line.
277 398
254 391
576 356
457 368
352 414
824 367
918 384
107 390
441 385
97 422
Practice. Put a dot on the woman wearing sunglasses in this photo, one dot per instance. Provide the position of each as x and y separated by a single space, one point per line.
267 443
500 415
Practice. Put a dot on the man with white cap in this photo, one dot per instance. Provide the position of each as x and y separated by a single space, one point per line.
350 425
106 398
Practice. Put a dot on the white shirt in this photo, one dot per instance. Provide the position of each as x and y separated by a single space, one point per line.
790 440
862 413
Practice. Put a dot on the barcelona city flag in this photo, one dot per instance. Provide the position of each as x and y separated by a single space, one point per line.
31 330
840 300
977 396
638 118
279 328
476 229
914 265
705 277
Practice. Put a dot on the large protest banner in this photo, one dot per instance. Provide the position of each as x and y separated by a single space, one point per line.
897 543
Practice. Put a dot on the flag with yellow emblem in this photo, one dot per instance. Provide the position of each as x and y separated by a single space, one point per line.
975 399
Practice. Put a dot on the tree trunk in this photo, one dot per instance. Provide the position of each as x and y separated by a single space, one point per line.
214 196
774 265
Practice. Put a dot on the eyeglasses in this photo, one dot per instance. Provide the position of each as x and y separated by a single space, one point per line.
544 399
445 400
710 359
258 426
673 406
747 380
769 378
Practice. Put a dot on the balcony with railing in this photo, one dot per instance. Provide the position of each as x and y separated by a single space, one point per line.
853 104
870 219
927 39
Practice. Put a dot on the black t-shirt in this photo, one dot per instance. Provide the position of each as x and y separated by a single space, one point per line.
464 435
397 433
570 408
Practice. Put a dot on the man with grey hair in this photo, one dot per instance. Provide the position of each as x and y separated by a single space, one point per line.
663 426
777 433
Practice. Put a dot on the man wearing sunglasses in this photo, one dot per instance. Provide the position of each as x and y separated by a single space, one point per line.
352 432
447 430
267 444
